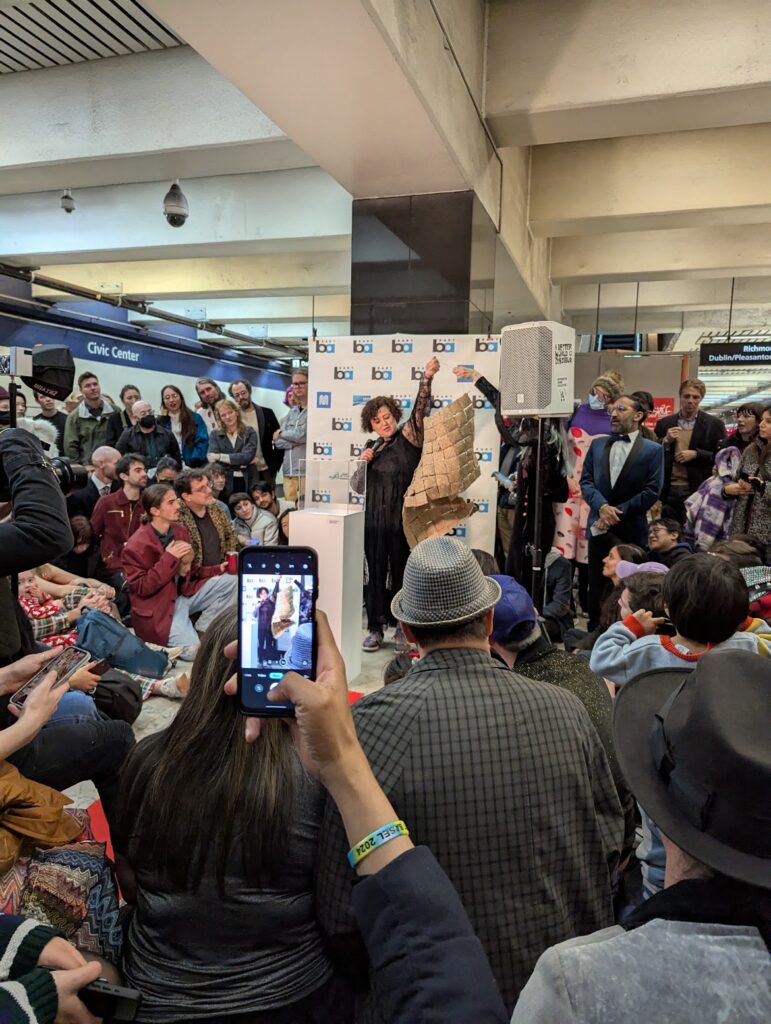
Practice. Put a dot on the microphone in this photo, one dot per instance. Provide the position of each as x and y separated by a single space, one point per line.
375 446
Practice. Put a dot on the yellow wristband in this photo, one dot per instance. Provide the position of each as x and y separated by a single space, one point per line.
375 839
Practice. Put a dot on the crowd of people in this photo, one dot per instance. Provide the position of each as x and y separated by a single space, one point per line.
543 823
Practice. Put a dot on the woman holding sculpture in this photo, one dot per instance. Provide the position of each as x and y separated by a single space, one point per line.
391 462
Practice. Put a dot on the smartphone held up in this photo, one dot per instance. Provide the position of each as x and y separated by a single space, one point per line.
65 665
277 590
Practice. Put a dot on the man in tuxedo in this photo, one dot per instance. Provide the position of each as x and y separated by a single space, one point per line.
100 483
268 459
622 478
691 439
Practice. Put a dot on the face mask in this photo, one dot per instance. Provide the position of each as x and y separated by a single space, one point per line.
5 417
147 421
595 402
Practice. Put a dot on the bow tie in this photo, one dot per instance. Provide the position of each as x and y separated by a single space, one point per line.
620 437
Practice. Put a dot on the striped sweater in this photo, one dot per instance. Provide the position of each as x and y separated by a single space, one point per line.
27 992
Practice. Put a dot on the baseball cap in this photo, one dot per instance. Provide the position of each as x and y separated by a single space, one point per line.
514 617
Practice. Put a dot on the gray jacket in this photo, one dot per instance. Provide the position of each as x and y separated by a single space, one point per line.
673 971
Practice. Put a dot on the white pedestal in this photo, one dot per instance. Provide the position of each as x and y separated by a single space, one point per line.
338 538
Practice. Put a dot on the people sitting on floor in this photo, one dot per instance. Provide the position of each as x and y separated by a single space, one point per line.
264 495
665 543
695 752
118 516
252 523
64 741
53 621
708 603
583 640
166 470
757 576
519 642
167 579
557 609
217 477
214 829
211 531
83 560
452 744
101 482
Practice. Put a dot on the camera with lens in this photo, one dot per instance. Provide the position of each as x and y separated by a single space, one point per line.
70 475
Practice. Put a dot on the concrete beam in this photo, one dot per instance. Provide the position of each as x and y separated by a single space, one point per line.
564 71
676 253
668 296
111 107
389 112
680 179
271 309
217 277
234 214
285 332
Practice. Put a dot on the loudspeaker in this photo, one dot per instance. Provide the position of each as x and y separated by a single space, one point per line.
537 369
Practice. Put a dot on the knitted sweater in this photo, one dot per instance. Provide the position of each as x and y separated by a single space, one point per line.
623 652
27 992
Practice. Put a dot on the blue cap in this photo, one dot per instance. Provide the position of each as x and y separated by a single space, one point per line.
514 617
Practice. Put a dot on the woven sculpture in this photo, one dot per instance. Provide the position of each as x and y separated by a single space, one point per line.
448 465
284 615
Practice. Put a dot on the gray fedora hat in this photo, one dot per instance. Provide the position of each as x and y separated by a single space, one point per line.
693 747
443 585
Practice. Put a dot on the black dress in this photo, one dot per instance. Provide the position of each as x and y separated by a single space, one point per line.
388 477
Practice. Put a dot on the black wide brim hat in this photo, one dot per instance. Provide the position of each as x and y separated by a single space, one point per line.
634 716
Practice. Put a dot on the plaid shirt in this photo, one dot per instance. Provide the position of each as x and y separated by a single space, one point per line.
49 620
505 779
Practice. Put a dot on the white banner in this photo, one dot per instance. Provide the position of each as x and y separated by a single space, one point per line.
344 373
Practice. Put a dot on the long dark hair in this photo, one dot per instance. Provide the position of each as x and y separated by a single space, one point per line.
187 425
763 447
152 497
193 793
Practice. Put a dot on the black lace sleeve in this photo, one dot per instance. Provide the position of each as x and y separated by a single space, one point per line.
413 428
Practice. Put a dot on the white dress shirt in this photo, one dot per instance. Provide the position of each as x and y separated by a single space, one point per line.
619 453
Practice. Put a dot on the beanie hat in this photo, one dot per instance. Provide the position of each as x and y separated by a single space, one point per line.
610 384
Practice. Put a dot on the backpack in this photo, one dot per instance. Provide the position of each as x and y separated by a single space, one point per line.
104 637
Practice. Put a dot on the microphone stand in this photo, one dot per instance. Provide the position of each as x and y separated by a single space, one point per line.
537 580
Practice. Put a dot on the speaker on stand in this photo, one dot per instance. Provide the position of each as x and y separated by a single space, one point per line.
537 380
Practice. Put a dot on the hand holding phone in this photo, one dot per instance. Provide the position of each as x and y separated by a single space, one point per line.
40 704
277 590
67 662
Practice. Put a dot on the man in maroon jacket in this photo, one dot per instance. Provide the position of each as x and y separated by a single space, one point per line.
118 515
166 584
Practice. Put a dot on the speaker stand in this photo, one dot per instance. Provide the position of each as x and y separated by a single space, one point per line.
537 579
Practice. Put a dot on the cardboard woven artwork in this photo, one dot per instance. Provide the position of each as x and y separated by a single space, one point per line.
448 466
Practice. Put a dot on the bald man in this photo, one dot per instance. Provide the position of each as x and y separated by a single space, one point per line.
83 502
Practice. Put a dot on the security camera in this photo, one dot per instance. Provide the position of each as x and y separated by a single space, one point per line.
175 208
67 203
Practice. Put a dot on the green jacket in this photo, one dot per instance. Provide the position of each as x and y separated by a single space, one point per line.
83 432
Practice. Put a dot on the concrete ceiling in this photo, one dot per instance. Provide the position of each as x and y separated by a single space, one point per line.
621 148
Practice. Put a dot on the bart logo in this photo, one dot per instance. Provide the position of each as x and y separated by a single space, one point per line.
381 373
485 345
321 498
324 450
343 373
485 455
401 346
355 499
441 345
458 531
338 424
325 347
360 347
440 401
482 506
416 373
356 450
480 403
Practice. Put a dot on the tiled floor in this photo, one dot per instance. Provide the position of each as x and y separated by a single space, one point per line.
157 712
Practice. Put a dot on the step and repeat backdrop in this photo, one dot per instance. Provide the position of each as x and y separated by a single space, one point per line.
344 373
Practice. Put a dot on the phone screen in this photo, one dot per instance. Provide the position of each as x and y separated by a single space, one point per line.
276 629
64 665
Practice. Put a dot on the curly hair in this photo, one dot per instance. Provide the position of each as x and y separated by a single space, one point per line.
374 405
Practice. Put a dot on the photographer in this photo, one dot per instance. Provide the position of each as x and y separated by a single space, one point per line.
61 754
39 531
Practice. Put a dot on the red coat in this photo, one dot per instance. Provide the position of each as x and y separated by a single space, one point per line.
151 575
113 521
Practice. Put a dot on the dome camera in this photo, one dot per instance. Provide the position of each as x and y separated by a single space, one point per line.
67 203
175 207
